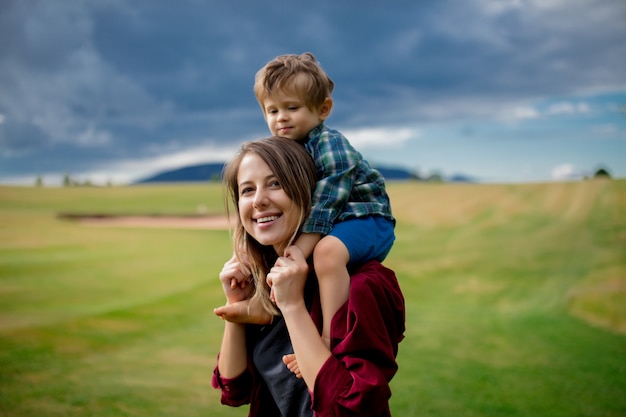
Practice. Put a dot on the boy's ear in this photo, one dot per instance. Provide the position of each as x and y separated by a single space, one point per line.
326 107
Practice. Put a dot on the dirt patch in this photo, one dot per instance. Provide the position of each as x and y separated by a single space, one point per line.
216 222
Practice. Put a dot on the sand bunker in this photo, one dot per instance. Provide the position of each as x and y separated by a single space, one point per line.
177 222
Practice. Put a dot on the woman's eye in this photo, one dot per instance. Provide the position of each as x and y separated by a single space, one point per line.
275 184
246 190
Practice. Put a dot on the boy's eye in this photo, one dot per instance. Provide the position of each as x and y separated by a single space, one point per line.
273 111
293 108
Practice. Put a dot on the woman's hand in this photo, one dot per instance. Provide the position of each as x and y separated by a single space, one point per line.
235 283
238 289
287 278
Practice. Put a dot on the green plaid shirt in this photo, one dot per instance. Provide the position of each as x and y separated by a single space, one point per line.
347 186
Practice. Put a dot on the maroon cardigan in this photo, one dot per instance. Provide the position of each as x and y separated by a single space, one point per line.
365 333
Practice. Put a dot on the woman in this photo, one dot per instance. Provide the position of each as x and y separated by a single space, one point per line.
270 182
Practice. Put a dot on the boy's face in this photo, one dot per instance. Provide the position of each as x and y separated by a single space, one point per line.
288 116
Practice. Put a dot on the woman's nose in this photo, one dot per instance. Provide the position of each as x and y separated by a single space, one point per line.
260 199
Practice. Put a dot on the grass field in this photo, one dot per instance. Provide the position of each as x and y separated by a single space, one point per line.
515 294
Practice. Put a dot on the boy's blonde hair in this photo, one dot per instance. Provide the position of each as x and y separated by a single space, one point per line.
301 74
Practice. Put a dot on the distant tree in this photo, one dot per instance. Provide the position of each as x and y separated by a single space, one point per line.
38 181
67 180
602 173
435 177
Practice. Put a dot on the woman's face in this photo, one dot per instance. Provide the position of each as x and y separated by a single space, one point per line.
266 211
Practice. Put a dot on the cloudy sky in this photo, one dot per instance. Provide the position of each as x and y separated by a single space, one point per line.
500 90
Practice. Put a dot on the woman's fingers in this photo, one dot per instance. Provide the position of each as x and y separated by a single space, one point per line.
232 274
287 277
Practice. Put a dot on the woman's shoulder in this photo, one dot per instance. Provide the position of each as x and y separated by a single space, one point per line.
374 316
373 273
372 283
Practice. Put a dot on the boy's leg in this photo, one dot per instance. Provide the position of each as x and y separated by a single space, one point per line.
330 259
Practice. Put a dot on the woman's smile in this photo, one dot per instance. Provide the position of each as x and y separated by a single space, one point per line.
267 219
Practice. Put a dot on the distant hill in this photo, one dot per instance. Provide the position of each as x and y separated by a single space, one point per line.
395 174
192 173
213 171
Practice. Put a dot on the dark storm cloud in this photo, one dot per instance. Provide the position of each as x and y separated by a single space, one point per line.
84 83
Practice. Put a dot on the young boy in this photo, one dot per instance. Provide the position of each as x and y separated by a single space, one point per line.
351 220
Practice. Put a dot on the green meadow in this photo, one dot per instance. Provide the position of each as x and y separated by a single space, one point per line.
515 298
